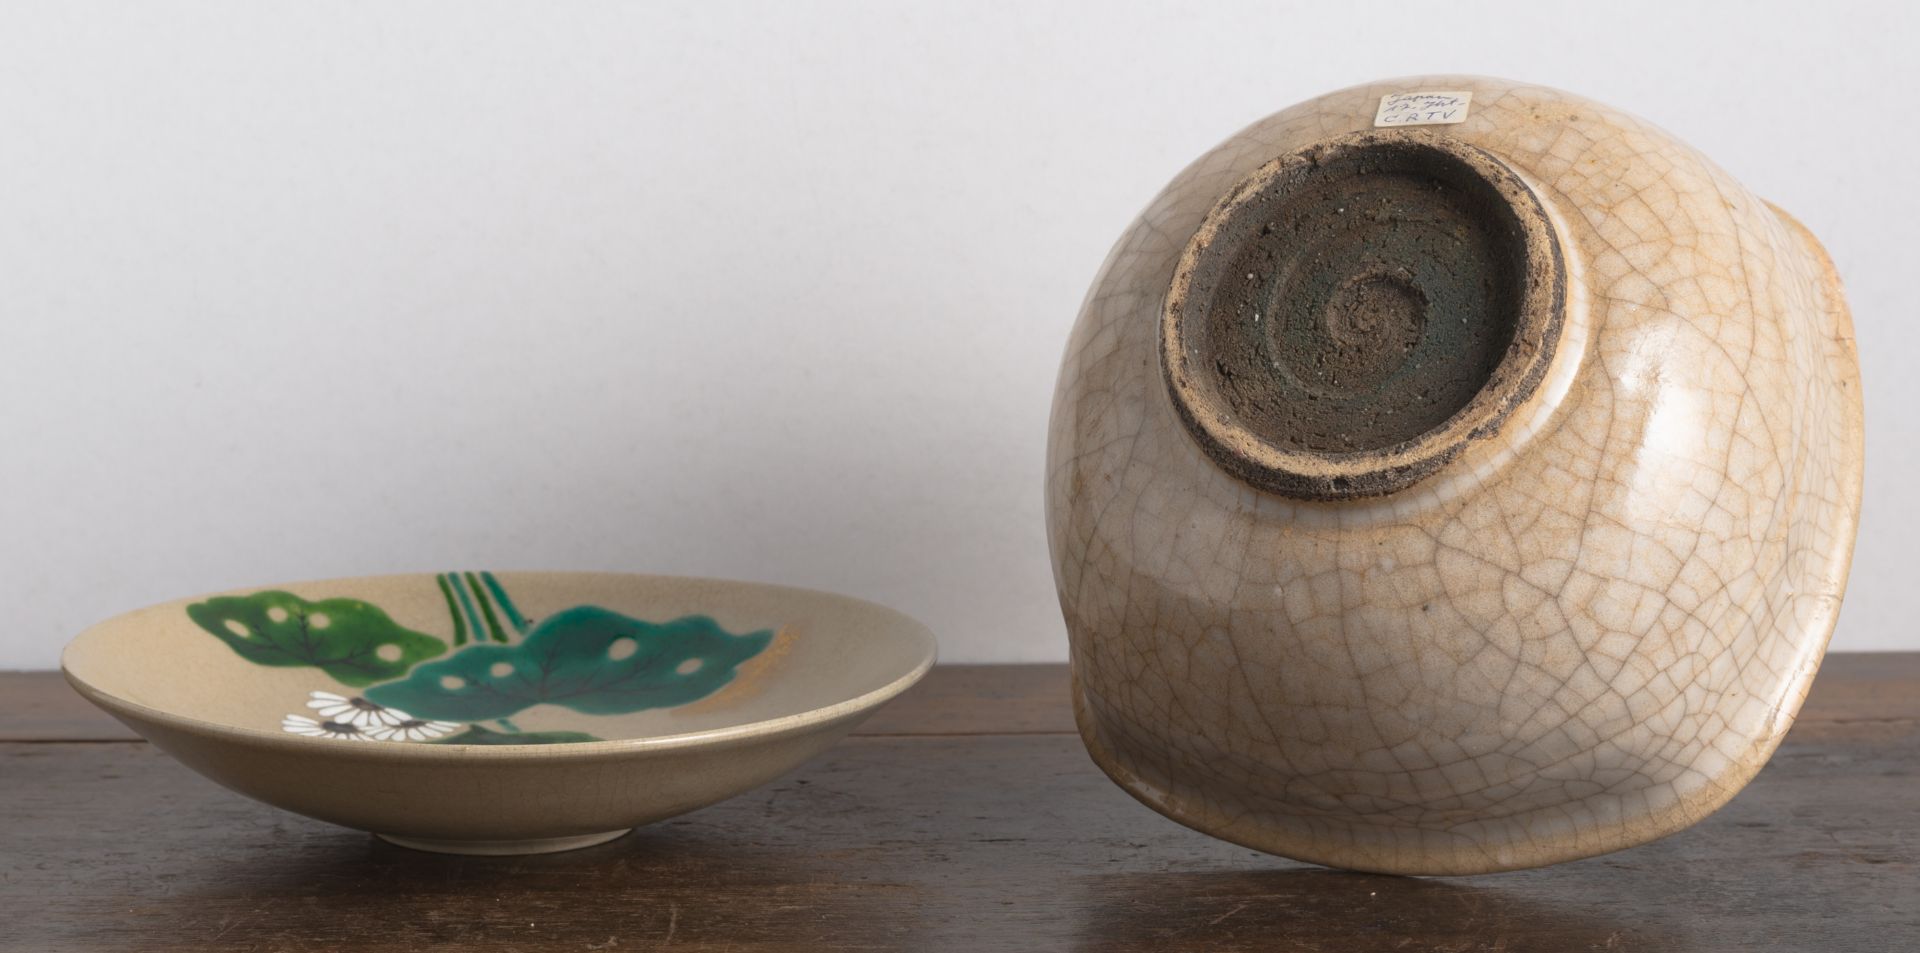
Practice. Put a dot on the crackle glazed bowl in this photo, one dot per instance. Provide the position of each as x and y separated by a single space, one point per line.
1451 475
498 714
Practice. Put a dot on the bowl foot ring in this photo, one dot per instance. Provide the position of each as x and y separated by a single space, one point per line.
505 848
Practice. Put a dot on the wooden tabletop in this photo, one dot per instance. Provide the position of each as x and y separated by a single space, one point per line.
965 816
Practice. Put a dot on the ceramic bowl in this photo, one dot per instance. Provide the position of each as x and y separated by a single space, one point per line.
498 714
1450 475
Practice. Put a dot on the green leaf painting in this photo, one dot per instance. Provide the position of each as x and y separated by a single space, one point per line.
592 660
355 642
477 735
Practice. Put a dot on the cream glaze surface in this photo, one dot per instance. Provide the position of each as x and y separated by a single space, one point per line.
1588 630
278 693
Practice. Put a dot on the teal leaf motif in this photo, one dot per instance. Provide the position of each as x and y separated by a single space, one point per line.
355 642
478 735
592 660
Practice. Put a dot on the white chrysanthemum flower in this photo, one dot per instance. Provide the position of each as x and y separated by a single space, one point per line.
302 725
413 729
356 711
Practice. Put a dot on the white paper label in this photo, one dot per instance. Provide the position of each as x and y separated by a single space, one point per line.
1423 108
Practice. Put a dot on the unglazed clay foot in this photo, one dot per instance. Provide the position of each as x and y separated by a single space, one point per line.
506 848
1449 475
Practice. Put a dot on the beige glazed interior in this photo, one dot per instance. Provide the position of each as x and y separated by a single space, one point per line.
1561 595
508 713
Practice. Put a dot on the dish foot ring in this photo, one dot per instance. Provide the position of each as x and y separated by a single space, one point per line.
505 848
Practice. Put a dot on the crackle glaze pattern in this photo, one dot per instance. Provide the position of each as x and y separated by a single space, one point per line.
1587 631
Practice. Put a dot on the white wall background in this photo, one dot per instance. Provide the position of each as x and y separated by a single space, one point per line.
772 291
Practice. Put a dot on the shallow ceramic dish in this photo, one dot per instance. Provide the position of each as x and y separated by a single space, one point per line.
508 714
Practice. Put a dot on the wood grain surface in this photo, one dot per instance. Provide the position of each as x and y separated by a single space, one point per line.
965 816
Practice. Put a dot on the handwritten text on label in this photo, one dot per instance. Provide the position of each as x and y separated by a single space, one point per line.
1424 108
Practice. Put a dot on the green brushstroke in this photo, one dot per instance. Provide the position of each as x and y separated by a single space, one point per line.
586 658
506 605
486 606
355 642
466 602
476 735
459 624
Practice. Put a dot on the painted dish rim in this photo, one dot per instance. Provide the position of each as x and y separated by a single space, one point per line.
758 730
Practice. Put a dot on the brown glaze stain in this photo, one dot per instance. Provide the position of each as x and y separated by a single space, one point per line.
751 678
